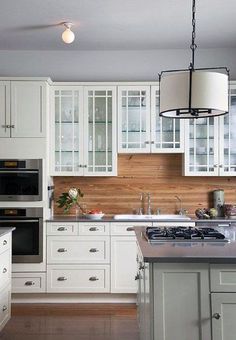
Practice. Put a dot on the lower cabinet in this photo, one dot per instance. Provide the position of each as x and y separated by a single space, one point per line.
28 282
223 316
5 306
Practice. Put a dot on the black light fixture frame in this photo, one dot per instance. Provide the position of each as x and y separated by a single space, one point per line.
194 111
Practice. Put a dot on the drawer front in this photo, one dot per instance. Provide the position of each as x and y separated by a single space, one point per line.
223 277
174 224
28 283
94 229
82 249
5 268
126 229
78 279
5 306
62 228
5 242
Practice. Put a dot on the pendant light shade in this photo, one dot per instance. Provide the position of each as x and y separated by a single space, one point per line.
208 96
194 92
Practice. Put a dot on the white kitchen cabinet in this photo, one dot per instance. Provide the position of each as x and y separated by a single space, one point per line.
223 316
28 282
84 131
210 144
140 128
23 108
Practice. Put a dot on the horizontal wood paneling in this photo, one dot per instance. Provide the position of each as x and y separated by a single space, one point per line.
159 174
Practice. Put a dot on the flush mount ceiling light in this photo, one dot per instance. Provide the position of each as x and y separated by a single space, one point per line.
194 92
68 36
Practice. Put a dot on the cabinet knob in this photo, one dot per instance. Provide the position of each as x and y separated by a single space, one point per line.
61 278
4 242
93 250
4 308
93 278
29 283
147 142
137 277
141 267
13 126
216 316
130 229
62 250
215 166
152 142
93 229
4 270
221 166
85 166
61 229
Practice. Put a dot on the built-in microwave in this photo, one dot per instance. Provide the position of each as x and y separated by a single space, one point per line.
20 179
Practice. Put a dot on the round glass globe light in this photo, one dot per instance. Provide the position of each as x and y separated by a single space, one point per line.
68 36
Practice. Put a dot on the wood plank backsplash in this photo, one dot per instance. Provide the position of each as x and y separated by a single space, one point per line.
159 174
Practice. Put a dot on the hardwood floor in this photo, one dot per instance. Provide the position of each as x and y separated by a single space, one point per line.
72 322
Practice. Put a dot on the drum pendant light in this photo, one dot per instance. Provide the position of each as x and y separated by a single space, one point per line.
194 92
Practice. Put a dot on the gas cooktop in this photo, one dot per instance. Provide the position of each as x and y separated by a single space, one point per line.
191 234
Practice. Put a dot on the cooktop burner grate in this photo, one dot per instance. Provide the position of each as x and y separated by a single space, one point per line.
157 234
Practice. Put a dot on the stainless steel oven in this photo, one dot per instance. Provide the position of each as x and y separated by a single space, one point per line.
27 238
20 179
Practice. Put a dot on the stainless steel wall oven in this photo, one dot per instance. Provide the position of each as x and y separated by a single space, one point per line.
27 238
20 179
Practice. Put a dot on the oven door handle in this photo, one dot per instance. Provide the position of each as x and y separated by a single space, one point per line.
18 221
18 171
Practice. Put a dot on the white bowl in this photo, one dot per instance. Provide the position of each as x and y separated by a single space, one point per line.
94 216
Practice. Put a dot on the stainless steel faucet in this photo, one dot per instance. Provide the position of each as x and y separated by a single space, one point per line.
181 210
149 209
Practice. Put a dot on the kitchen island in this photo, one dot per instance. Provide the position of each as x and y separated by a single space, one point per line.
187 290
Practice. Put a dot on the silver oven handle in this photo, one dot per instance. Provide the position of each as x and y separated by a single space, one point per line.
18 221
19 171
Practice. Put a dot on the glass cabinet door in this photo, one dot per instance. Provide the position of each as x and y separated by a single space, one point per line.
67 124
201 147
100 131
133 119
227 139
167 133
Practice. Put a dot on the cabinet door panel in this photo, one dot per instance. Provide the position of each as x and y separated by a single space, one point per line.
134 119
5 109
28 103
223 325
167 134
100 131
123 264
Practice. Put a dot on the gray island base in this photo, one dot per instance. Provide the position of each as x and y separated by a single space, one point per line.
187 290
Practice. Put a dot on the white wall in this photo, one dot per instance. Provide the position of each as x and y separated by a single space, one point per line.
108 65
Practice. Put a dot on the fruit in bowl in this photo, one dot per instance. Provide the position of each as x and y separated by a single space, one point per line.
94 214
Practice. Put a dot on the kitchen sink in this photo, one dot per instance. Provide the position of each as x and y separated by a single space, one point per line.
160 217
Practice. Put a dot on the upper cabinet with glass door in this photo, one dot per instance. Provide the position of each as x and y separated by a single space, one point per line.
100 157
201 147
140 129
67 154
227 138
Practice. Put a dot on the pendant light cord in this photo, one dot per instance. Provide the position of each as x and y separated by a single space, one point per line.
193 46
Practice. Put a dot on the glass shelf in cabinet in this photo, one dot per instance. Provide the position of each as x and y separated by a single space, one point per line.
100 122
66 122
100 151
131 131
66 151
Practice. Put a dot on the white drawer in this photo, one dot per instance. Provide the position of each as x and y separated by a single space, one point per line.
78 279
62 228
28 283
125 228
5 242
78 249
5 268
5 306
223 277
91 228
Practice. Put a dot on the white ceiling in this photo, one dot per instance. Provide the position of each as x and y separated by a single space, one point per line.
116 24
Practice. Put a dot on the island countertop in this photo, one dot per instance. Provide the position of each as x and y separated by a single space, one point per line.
4 231
184 251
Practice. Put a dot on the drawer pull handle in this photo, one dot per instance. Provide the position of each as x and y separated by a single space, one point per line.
62 250
61 278
224 224
130 229
216 316
4 242
93 278
4 270
61 229
93 229
4 308
29 283
93 250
